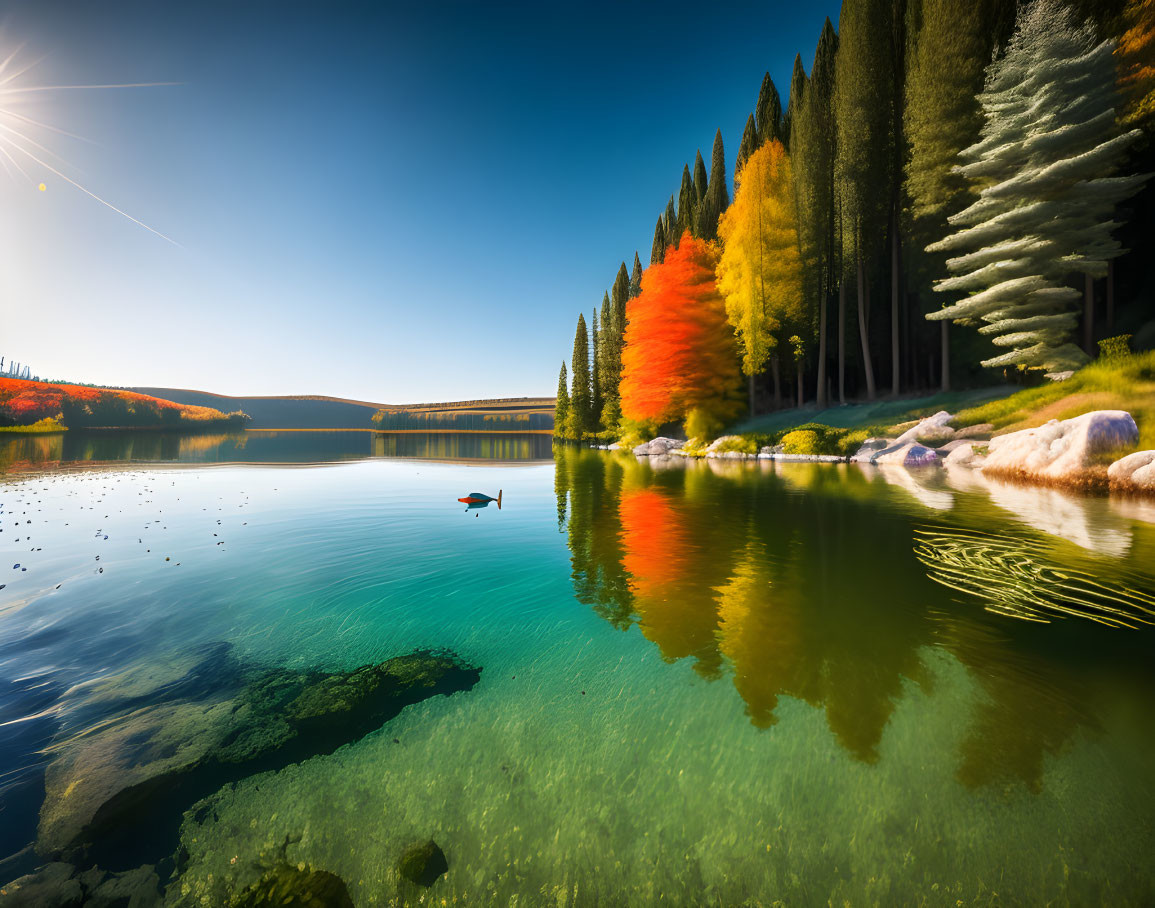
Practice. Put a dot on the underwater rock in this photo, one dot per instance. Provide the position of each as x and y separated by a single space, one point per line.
423 863
52 886
1061 451
283 717
138 888
1135 471
285 886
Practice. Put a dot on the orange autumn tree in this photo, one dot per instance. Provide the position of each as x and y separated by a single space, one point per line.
680 354
1136 55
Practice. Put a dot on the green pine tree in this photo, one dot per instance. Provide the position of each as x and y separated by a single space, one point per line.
701 182
636 277
658 250
561 410
685 204
717 192
794 102
580 398
596 381
747 147
768 112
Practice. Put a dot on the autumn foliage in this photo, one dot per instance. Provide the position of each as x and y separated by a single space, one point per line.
760 272
679 352
25 402
1136 55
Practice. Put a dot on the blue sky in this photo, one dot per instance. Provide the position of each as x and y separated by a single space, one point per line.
391 202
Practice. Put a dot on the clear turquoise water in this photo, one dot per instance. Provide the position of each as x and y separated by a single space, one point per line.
721 684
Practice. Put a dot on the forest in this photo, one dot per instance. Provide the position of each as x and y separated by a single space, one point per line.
956 194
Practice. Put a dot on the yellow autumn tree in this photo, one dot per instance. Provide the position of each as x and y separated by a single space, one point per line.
760 271
1136 55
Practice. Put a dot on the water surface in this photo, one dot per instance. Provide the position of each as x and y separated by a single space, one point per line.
716 684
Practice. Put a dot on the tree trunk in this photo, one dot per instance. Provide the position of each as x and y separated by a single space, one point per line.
863 334
821 395
842 342
1089 314
895 363
777 382
1110 296
945 354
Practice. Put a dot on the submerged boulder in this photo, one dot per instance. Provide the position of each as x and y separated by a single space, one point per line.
138 888
1061 451
281 717
286 886
1133 472
423 863
52 886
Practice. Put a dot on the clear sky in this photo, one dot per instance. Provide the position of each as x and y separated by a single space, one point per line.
391 202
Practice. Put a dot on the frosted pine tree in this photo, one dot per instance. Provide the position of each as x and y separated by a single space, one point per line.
1047 158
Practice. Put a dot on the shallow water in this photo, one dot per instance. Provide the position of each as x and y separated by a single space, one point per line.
717 683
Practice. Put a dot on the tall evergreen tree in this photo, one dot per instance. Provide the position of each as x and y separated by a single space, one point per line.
748 146
671 224
794 102
597 382
686 204
950 43
636 277
701 181
561 409
768 113
812 153
619 295
1049 150
717 193
658 250
862 105
608 348
580 398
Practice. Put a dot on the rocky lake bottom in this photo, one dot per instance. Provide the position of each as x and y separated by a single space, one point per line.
704 683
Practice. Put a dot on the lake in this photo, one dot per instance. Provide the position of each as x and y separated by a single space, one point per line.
704 683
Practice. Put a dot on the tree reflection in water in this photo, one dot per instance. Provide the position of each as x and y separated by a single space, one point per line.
816 584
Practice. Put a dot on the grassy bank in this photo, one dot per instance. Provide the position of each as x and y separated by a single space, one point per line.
1114 383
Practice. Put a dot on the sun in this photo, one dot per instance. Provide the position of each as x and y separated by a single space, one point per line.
19 130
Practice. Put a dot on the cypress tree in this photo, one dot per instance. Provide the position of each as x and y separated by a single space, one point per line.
685 204
794 103
747 147
717 193
619 295
863 96
658 250
812 153
561 409
700 180
768 113
608 345
580 400
671 225
636 277
597 382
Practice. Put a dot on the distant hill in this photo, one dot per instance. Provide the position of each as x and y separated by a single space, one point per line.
25 402
309 411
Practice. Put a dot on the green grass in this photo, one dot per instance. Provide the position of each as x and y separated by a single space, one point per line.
1110 383
1116 383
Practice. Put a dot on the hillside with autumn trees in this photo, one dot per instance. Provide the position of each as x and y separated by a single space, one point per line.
956 193
51 405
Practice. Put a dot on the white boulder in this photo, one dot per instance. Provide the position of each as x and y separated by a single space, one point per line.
1061 450
931 427
658 446
1135 471
910 454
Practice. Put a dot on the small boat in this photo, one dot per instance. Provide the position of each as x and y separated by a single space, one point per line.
480 499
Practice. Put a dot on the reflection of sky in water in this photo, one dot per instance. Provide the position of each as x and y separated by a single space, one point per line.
709 684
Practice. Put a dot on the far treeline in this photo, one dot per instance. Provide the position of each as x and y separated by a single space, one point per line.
974 163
